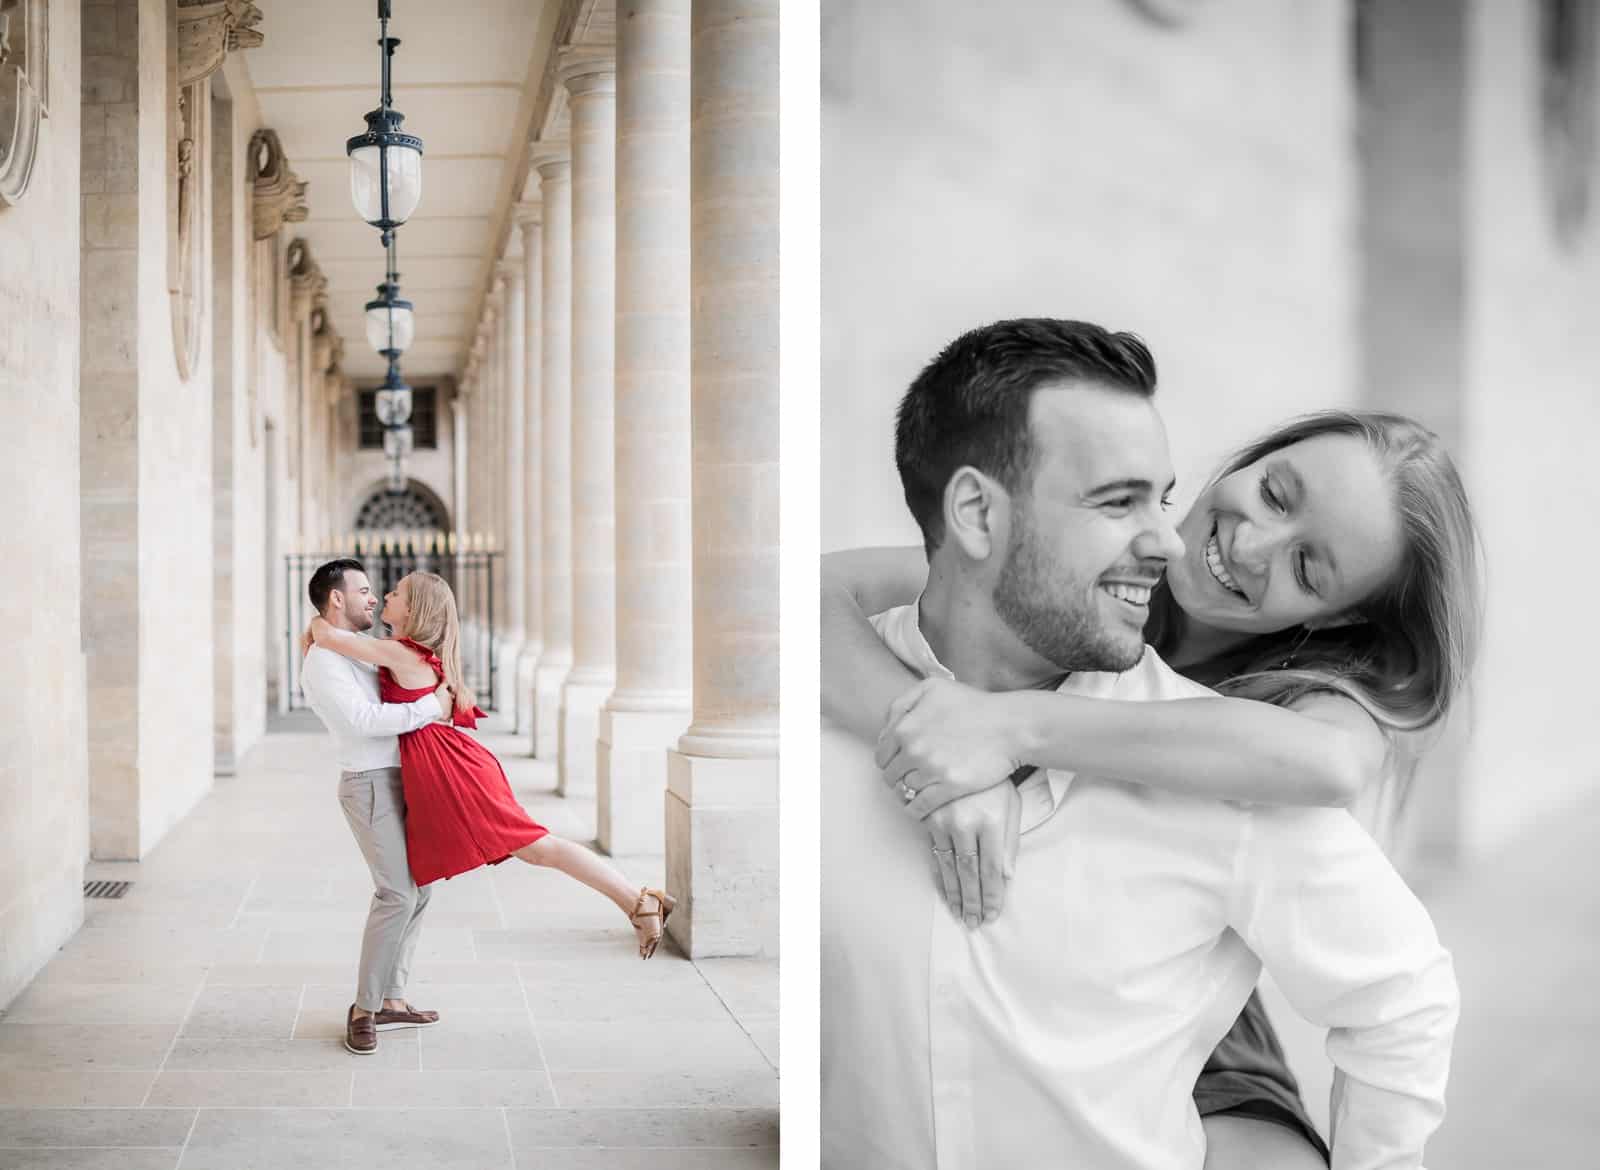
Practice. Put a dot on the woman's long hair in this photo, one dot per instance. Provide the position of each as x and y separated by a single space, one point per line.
1407 656
431 621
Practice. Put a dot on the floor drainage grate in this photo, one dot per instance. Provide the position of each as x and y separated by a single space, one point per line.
105 889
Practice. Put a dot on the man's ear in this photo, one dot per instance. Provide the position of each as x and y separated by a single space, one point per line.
976 510
1348 618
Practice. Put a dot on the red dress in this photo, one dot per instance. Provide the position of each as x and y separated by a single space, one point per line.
460 813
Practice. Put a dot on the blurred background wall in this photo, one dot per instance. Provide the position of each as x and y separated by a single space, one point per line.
1383 203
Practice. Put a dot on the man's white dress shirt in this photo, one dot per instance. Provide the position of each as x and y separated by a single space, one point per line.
1069 1032
344 694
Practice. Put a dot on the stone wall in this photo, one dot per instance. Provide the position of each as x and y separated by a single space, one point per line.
1034 159
145 456
1532 350
175 547
237 460
44 835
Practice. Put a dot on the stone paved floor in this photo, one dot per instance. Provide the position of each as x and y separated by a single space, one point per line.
196 1023
1523 925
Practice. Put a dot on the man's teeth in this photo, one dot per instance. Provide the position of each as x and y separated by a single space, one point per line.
1218 569
1133 594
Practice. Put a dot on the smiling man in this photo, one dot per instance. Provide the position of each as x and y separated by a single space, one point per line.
1071 1030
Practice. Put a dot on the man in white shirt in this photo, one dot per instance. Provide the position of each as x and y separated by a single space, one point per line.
344 694
1070 1031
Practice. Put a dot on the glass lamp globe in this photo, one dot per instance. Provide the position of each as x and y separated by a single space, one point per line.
394 406
397 442
391 323
385 168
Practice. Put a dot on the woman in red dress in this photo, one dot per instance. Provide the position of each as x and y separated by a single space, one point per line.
460 812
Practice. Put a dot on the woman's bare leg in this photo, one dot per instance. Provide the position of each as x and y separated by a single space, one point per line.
1243 1143
589 868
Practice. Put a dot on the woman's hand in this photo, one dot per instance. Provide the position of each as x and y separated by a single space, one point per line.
974 842
945 740
319 629
306 642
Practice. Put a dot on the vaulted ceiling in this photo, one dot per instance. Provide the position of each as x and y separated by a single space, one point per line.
466 76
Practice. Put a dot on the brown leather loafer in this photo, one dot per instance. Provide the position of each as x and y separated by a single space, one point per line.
410 1017
360 1035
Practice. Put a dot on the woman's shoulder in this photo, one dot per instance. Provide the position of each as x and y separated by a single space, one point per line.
422 652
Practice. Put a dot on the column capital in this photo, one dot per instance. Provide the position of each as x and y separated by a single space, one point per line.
528 215
551 160
587 68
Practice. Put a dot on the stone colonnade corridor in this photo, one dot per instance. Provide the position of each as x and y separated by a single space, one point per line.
196 1023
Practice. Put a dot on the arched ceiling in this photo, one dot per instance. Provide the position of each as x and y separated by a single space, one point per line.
465 76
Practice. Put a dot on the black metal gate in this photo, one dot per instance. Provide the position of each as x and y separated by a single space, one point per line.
471 577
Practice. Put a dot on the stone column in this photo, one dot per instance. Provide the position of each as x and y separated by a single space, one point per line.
590 78
510 335
472 387
490 458
655 647
722 803
529 219
553 162
458 456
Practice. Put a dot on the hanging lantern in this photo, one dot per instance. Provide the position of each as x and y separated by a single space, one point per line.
385 163
393 400
391 324
397 442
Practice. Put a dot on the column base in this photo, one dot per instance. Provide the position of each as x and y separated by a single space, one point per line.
632 784
722 854
581 701
527 666
549 679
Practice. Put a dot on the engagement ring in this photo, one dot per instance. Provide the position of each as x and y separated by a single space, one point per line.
907 793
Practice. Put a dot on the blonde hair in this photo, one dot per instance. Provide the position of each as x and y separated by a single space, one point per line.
431 621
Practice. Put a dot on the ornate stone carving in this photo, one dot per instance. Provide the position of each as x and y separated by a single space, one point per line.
279 193
24 90
1567 114
186 281
306 281
208 30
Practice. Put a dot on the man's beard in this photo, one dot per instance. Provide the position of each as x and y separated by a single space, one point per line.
361 619
1044 607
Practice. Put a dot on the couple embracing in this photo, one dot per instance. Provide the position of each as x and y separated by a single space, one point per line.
1086 771
425 800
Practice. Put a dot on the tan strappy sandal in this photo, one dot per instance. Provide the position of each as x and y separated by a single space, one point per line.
665 903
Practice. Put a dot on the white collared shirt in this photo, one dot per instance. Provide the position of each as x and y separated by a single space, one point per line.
344 694
1070 1031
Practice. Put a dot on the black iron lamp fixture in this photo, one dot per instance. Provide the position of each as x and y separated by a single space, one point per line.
385 163
391 324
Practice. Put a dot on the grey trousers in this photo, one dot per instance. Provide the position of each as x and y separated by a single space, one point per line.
375 805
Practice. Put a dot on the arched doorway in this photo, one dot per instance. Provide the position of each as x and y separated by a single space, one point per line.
418 507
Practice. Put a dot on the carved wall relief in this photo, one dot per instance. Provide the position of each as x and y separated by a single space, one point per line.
24 90
279 195
201 35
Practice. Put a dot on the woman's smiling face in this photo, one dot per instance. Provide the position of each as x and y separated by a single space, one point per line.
1300 537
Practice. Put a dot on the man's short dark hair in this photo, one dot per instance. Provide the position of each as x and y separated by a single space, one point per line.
969 406
329 577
